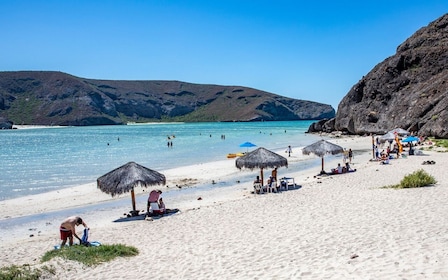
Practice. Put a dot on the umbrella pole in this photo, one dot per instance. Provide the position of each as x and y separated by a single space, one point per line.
261 176
322 172
133 202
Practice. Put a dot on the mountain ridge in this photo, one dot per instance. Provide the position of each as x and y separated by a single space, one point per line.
408 90
57 98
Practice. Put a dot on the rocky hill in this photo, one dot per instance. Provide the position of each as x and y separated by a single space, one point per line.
407 90
56 98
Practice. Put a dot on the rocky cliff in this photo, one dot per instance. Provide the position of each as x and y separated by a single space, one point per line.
407 90
55 98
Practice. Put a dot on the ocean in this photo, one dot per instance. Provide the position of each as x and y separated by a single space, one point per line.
44 159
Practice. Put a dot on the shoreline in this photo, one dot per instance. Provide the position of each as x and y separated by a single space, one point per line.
35 126
89 194
344 226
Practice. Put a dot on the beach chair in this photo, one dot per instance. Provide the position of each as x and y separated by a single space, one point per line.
288 183
272 186
258 188
283 185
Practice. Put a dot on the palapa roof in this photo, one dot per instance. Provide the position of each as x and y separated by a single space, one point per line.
126 177
321 148
261 158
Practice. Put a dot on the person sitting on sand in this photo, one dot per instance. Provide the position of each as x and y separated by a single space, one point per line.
153 202
349 168
162 207
157 206
67 229
385 160
337 170
257 180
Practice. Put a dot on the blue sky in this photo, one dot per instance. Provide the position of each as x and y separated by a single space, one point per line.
311 50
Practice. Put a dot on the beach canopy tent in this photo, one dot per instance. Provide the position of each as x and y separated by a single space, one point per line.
322 148
400 131
261 158
388 137
126 177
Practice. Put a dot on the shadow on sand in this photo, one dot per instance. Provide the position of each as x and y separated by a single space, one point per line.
141 217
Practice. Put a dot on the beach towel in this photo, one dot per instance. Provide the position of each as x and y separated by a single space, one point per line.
85 239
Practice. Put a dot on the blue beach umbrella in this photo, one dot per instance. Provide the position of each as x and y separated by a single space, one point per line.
410 139
247 145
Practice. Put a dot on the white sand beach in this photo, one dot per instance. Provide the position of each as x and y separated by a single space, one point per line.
334 227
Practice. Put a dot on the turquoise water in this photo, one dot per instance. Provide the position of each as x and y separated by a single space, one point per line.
40 160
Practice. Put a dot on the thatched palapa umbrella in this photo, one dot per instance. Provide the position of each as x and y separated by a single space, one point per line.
125 178
261 158
321 148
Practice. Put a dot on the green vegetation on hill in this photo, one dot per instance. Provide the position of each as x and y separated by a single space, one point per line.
55 98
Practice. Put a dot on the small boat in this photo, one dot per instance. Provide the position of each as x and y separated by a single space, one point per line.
240 154
231 155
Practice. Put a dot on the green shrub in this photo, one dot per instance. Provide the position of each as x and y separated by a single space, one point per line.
417 179
24 272
441 143
91 256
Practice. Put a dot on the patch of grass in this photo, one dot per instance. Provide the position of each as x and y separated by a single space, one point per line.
418 179
92 256
89 256
441 143
24 272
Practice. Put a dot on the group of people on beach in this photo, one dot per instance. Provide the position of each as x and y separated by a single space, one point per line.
342 169
347 160
271 184
155 205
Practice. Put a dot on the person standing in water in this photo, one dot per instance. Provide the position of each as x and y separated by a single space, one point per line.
289 150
